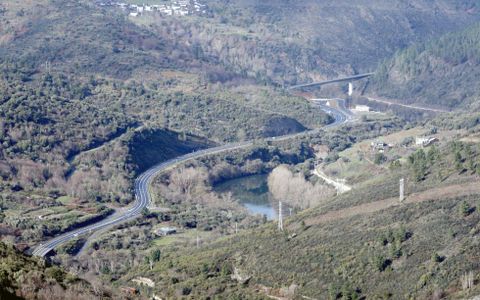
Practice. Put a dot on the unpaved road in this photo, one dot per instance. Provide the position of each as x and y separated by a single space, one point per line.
339 186
445 192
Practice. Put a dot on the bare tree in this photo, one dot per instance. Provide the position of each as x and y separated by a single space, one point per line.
189 181
467 280
295 190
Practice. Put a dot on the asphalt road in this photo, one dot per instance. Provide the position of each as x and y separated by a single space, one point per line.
142 183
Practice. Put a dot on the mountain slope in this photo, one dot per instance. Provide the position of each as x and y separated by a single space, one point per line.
440 73
79 82
298 41
361 244
22 277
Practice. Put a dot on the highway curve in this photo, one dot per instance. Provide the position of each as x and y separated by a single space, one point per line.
142 195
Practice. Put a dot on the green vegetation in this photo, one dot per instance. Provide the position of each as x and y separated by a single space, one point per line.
300 41
29 217
355 253
410 249
439 73
93 99
90 98
24 277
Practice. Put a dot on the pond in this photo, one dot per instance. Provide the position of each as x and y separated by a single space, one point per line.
252 192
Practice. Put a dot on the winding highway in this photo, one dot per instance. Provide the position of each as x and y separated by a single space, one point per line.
142 183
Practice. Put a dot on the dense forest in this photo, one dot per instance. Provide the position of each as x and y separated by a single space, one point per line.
438 73
88 100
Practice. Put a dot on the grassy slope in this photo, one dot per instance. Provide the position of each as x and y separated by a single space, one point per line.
352 245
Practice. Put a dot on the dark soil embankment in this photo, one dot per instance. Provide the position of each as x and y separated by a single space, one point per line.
278 126
151 146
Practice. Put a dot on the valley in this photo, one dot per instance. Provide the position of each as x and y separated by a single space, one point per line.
239 149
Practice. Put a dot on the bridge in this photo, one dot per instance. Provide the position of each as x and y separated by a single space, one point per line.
320 83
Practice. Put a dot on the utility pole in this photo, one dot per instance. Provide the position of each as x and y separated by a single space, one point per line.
198 240
280 216
350 89
402 190
47 66
236 227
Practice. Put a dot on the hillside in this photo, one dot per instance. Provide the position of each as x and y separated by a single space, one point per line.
290 42
92 95
22 277
81 87
363 244
75 77
439 73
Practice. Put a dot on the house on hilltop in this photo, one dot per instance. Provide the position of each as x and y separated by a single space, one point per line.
425 141
164 231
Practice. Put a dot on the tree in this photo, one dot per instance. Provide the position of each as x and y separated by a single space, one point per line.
418 162
432 154
458 161
379 158
56 273
188 181
294 189
145 212
155 255
470 157
465 209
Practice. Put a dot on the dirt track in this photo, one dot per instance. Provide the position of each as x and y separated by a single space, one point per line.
445 192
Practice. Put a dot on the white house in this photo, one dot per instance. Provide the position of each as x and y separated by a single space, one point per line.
425 141
144 281
163 231
361 108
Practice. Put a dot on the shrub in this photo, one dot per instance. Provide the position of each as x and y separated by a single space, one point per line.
465 209
56 273
423 280
381 263
379 158
186 291
436 258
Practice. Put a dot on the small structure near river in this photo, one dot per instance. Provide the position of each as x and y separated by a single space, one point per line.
164 231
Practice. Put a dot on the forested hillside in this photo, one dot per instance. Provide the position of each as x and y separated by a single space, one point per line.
297 41
81 87
90 96
74 77
438 73
24 277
